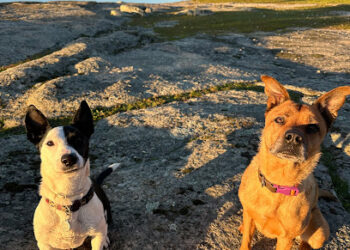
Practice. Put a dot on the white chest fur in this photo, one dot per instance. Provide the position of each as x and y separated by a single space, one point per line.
53 227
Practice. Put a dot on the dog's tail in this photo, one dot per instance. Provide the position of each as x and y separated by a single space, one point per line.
327 195
106 172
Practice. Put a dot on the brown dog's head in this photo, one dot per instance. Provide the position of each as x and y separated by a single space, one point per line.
295 131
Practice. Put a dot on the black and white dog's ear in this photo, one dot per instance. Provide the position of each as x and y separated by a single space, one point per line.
36 125
83 119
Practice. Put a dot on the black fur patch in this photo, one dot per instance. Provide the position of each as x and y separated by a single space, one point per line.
104 199
83 119
37 125
327 116
299 106
77 140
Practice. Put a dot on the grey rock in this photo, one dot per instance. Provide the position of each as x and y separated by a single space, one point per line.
148 10
115 13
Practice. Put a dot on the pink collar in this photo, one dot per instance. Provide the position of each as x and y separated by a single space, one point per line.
274 188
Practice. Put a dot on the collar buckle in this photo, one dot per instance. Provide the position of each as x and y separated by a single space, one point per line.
262 179
274 188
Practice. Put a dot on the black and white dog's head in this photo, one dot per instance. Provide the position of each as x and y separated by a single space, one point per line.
62 149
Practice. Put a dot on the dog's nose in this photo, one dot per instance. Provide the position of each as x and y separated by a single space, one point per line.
69 159
293 137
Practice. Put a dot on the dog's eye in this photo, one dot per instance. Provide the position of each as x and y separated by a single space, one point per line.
312 128
50 143
279 120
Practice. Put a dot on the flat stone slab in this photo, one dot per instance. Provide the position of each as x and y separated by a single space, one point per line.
41 27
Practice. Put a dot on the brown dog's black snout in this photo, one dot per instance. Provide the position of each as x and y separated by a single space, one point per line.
293 137
69 159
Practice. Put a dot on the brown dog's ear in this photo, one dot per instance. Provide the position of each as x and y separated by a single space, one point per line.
275 92
329 103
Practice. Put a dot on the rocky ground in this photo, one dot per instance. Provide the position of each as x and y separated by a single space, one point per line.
182 161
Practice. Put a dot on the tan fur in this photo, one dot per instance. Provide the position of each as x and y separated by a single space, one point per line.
50 226
277 215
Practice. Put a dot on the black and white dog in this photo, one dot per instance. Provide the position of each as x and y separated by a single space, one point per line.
72 206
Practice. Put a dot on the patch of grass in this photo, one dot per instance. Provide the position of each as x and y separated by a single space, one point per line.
318 56
245 21
60 121
295 95
289 56
187 170
103 112
12 131
28 59
99 113
340 186
343 26
21 130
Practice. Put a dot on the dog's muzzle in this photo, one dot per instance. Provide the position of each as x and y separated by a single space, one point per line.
293 138
69 160
291 147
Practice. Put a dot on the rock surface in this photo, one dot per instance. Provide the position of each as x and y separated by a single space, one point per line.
132 9
182 161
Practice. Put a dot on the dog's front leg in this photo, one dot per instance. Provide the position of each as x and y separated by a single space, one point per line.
43 246
317 231
247 229
100 239
284 243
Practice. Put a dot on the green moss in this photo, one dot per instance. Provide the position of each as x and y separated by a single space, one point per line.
288 55
340 186
29 58
245 21
18 130
102 112
295 95
12 131
318 56
60 121
99 113
187 170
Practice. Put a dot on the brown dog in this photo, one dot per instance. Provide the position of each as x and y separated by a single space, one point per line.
278 191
